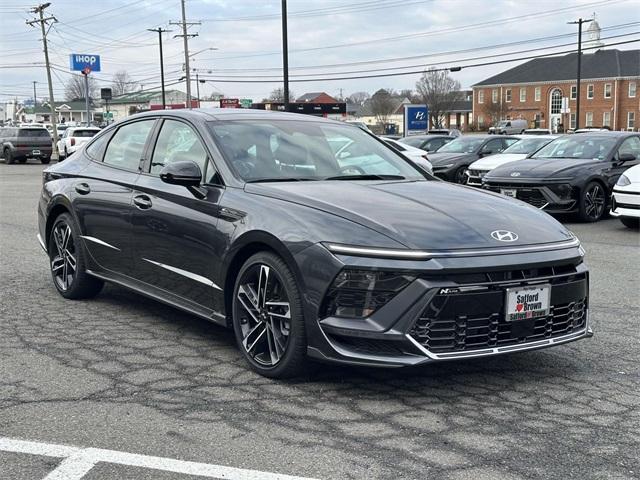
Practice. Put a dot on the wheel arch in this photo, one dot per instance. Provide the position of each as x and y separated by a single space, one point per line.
58 207
243 248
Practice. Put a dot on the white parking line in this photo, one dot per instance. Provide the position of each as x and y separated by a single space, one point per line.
78 461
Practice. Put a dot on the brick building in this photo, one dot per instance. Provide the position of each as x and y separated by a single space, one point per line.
609 90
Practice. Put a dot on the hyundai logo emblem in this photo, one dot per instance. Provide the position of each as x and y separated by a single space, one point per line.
515 174
504 236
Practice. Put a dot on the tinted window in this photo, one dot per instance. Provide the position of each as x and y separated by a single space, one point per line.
177 142
630 145
413 141
95 148
259 150
507 142
84 133
493 146
33 132
127 145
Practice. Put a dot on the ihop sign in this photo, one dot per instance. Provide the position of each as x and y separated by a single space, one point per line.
80 62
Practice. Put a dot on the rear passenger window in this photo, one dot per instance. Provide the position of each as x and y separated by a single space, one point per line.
95 148
127 145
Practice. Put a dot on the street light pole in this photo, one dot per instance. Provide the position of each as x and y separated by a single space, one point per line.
160 31
579 22
35 100
285 56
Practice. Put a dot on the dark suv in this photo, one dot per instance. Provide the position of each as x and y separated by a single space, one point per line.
22 143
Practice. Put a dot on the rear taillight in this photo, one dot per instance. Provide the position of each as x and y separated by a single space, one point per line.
73 141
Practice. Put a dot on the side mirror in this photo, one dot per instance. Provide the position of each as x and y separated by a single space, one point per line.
186 173
626 157
485 152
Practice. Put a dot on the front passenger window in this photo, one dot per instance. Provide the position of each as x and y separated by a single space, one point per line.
126 147
177 142
630 146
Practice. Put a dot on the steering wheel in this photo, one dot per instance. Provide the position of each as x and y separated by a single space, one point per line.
358 170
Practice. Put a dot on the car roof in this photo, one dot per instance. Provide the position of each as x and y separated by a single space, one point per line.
429 136
236 114
605 133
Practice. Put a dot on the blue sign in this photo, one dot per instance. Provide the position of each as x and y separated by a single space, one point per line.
416 119
80 61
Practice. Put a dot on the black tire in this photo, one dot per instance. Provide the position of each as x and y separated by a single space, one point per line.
458 176
8 156
593 202
630 222
45 160
65 245
251 316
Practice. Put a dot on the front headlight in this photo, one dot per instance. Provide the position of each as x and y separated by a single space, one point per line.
359 293
623 181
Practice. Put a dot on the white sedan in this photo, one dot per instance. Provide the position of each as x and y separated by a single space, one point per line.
625 200
417 156
518 151
73 138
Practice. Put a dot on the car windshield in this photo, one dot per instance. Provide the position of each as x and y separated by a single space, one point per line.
462 145
527 145
413 141
285 150
577 146
33 132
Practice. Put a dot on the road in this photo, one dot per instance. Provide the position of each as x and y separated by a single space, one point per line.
126 374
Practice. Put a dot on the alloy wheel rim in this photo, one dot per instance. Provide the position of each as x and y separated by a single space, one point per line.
63 261
265 315
594 202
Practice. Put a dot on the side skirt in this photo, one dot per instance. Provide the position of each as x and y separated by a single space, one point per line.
161 296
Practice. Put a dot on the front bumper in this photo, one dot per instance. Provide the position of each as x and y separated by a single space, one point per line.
539 196
397 334
625 203
474 177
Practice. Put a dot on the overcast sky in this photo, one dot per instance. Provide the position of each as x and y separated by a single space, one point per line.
327 38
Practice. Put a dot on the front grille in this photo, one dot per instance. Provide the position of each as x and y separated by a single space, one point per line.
531 195
627 205
455 323
556 274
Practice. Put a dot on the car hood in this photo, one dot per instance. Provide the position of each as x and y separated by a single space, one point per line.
444 158
541 168
633 174
430 215
493 161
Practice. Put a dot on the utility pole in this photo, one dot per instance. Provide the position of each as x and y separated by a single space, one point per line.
160 32
35 99
198 89
285 56
44 21
579 22
185 36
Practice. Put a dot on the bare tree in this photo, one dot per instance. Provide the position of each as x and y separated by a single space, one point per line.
383 105
358 98
494 111
277 95
74 88
122 83
407 93
439 92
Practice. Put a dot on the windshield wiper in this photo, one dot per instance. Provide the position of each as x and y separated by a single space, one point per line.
282 179
371 176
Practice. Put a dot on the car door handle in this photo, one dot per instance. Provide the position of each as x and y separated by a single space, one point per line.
143 202
83 188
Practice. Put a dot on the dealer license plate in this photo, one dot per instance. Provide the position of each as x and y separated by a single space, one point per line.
523 303
509 192
35 152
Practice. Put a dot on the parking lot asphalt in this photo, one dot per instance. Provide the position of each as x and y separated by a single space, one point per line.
124 373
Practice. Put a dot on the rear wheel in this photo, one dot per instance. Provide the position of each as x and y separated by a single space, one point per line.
8 156
267 317
593 201
67 261
45 160
630 222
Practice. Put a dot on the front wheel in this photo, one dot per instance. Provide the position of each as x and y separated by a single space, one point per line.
67 261
459 176
593 200
8 156
267 317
